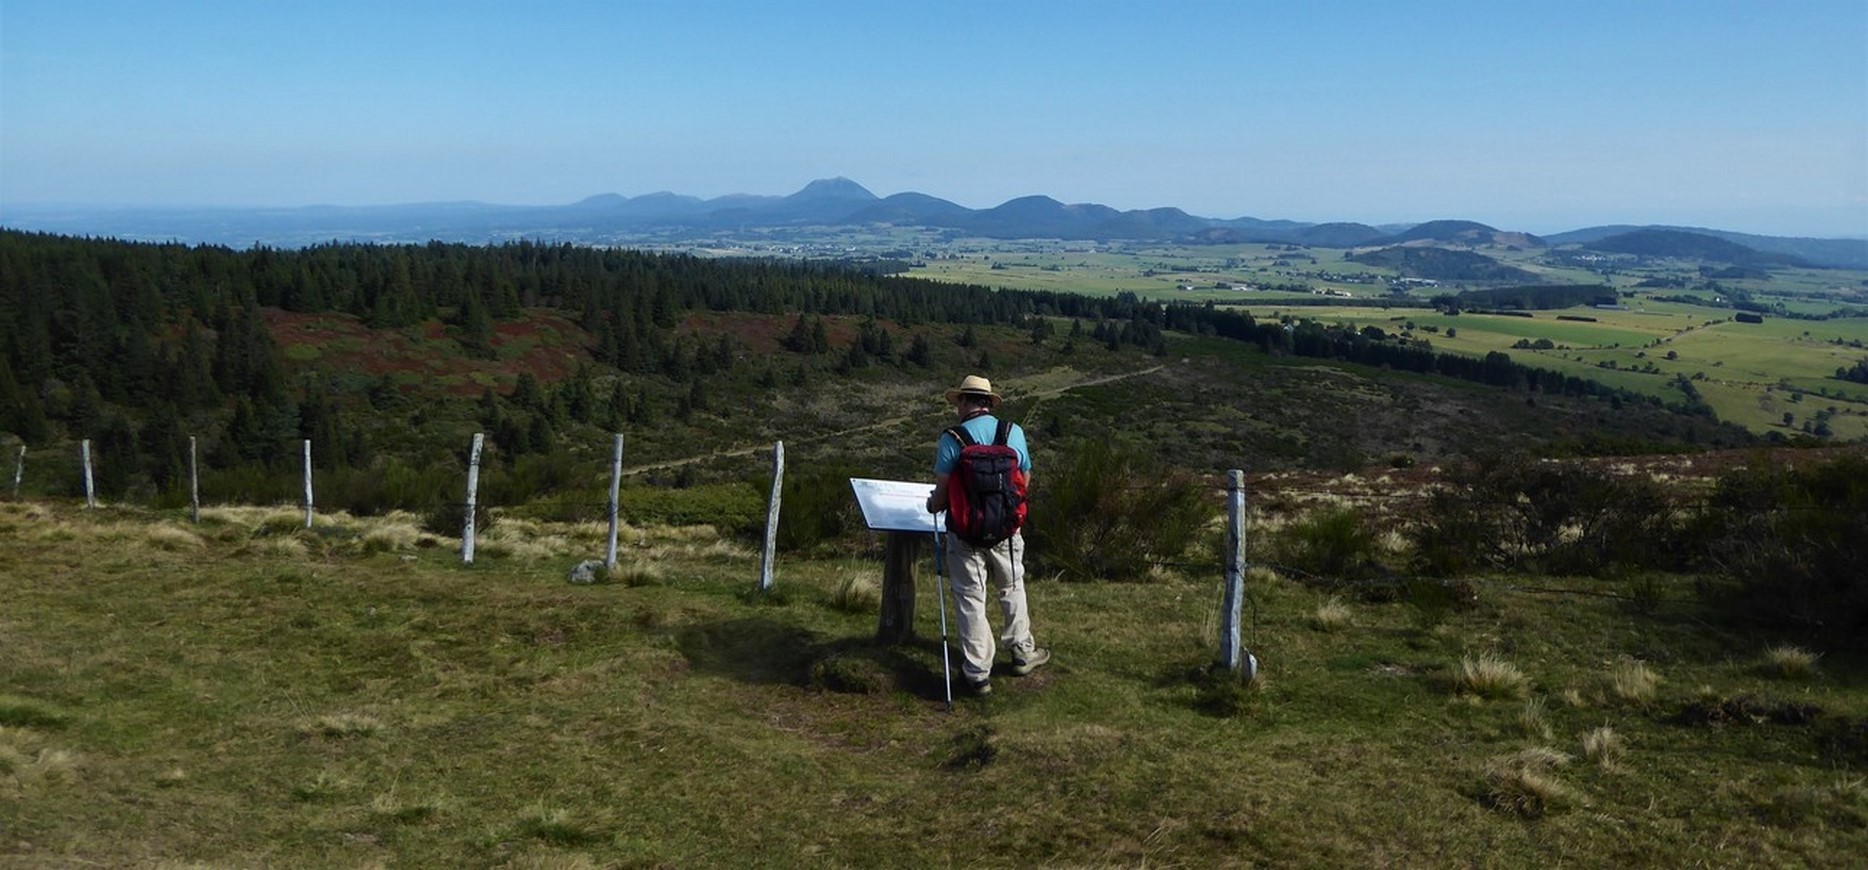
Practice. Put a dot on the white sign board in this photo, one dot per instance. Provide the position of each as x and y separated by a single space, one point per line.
894 505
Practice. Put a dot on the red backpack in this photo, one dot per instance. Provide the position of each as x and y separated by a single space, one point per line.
986 492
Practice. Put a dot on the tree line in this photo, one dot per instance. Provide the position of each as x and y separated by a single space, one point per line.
132 343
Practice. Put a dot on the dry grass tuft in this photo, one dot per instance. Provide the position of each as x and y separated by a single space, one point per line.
31 511
682 534
279 521
1632 681
388 807
390 536
341 725
1259 575
1526 785
556 826
1791 662
857 592
282 548
1489 676
1839 805
639 574
1332 615
1392 542
1532 719
172 538
524 539
553 861
323 787
723 550
1604 747
26 765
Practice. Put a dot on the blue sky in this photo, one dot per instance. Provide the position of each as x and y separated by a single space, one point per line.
1541 117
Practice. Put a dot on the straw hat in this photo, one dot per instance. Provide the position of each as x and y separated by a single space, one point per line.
974 385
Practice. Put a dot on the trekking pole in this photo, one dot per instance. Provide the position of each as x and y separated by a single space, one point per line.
940 576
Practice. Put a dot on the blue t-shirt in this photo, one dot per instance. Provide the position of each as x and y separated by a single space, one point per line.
982 428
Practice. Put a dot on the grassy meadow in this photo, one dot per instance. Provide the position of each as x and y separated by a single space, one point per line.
246 692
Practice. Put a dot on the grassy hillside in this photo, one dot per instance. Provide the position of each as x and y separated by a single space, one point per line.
244 692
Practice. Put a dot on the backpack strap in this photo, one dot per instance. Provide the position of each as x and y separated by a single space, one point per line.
960 434
1004 433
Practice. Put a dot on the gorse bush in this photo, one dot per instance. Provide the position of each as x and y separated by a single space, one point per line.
816 507
732 508
1110 512
1796 541
1504 514
1334 544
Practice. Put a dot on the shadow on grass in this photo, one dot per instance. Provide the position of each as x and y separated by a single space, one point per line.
764 651
1217 691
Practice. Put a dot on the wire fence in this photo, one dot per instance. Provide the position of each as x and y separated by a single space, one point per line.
1259 510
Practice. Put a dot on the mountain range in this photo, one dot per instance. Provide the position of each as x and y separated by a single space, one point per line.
839 202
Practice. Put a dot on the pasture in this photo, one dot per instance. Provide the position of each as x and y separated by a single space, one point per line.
245 692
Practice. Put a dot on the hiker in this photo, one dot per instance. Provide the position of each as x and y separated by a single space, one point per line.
991 520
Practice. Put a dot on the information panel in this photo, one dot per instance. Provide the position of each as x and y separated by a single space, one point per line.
894 505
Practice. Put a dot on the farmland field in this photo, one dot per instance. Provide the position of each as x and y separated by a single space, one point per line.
1750 374
1757 371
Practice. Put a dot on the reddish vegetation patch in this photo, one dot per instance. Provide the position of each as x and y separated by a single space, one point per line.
514 329
759 334
762 334
291 327
427 358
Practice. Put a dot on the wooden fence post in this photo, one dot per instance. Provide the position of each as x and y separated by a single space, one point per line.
90 488
771 517
616 491
308 508
473 488
19 470
194 483
1231 655
900 558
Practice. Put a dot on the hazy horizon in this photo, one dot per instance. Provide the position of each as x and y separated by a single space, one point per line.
1739 116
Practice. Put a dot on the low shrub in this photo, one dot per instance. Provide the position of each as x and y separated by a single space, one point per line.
816 507
1112 512
1517 513
449 519
736 507
1330 544
1795 540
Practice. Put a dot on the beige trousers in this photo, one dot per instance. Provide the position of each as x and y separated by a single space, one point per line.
969 569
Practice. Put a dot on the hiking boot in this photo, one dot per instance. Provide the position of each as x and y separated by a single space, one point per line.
1038 658
980 689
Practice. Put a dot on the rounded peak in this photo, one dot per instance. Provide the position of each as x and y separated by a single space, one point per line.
833 188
